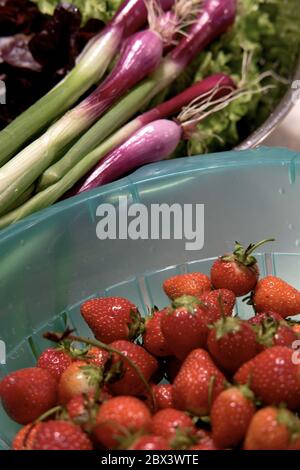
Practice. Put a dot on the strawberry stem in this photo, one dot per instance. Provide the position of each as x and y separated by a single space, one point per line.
254 247
48 413
244 256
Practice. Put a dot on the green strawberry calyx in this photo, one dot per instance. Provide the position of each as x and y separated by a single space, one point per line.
244 389
93 374
184 439
266 331
127 438
290 421
225 326
189 302
137 325
246 392
244 256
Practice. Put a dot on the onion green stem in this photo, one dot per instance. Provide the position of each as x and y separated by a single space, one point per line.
142 94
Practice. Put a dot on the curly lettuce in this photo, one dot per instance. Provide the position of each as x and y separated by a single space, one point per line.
269 29
99 9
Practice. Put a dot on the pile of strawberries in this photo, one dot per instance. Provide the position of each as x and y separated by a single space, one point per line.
228 383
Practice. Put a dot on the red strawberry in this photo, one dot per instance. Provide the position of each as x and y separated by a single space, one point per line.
197 384
175 426
55 361
237 271
274 378
205 441
272 330
163 395
219 302
184 326
153 338
273 429
79 408
82 409
28 393
231 414
112 318
131 383
79 378
24 439
194 284
232 342
244 375
119 417
150 442
275 295
96 356
60 435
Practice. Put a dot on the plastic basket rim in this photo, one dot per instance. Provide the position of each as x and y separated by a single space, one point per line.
261 156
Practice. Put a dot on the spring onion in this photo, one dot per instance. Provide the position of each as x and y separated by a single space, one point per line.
218 87
140 55
89 69
215 17
218 84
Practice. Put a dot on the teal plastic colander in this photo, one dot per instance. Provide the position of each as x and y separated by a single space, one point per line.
53 261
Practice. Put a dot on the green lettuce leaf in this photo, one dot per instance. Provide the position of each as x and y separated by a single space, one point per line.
270 30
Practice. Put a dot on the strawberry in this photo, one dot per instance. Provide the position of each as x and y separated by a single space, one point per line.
112 318
275 295
60 435
96 356
184 326
28 393
175 426
204 441
274 378
130 383
194 284
119 417
163 396
231 414
150 442
272 330
79 407
243 375
197 384
153 338
82 409
231 342
24 439
55 361
219 302
273 429
79 378
237 271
